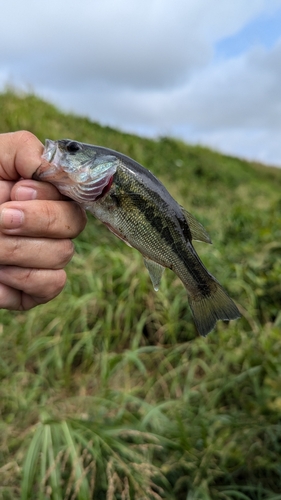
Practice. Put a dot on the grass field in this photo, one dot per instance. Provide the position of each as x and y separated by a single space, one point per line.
107 392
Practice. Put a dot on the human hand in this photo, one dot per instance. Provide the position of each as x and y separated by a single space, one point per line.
36 227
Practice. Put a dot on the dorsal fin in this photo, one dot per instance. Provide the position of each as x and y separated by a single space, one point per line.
198 232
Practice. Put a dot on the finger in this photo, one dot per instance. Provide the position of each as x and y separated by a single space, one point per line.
20 155
22 289
41 253
5 190
27 189
9 298
42 218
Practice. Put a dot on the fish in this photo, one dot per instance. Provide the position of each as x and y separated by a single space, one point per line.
137 208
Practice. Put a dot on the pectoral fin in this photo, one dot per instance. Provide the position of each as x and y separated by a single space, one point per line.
198 232
155 272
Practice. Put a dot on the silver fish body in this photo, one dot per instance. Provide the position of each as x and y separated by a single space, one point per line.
138 209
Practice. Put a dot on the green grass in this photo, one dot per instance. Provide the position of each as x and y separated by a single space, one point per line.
107 392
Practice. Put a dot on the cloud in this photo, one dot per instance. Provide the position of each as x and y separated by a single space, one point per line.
148 44
149 67
241 92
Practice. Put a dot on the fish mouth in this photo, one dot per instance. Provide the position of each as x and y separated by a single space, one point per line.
49 150
49 168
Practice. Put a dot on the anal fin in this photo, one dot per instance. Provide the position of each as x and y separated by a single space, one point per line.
155 272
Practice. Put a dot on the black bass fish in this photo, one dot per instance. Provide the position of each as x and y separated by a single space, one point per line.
139 210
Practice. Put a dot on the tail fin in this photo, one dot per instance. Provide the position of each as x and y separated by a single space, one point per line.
208 310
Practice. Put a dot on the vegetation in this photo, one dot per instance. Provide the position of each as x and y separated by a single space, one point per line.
107 392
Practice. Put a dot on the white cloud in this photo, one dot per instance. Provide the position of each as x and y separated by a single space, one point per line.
242 92
150 44
148 67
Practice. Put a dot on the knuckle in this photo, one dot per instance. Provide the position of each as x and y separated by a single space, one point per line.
50 217
82 217
27 277
9 298
14 250
59 281
55 285
43 284
62 217
26 136
66 252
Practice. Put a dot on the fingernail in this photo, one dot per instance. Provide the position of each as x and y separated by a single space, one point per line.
11 218
24 193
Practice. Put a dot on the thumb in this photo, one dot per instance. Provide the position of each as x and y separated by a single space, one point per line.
20 155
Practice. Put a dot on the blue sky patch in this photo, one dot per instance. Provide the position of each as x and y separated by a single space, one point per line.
264 30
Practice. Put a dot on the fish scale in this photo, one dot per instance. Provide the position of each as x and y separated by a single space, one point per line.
170 249
139 210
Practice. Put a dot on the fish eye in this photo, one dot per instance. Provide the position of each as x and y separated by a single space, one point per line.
73 147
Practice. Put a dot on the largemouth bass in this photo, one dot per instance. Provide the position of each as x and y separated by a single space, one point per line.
139 210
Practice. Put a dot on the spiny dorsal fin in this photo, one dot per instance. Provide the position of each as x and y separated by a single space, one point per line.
155 272
198 232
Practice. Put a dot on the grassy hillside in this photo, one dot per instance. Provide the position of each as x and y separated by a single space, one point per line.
107 392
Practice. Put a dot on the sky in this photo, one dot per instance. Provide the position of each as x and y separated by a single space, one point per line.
205 71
